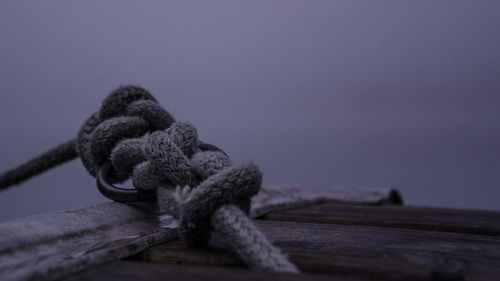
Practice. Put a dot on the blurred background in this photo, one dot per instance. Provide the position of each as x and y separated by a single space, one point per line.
401 94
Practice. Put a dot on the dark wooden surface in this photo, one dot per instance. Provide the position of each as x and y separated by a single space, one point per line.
341 241
142 271
437 219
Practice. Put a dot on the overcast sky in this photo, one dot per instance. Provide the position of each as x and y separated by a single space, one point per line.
401 94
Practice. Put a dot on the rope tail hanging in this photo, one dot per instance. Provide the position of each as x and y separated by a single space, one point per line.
132 136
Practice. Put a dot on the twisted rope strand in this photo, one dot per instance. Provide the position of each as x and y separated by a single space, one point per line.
248 242
46 161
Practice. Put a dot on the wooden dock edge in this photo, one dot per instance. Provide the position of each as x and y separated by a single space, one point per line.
54 245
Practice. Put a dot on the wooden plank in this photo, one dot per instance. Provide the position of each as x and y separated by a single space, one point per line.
139 271
175 252
51 246
364 252
275 198
436 219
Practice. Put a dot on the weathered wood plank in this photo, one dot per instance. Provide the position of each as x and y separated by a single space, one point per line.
176 252
273 198
359 251
137 271
436 219
50 246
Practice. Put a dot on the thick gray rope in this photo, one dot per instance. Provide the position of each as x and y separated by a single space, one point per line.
143 141
248 242
54 157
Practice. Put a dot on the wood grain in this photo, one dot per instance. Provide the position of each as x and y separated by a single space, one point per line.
50 246
436 219
359 251
140 271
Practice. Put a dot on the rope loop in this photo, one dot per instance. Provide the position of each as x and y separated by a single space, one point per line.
128 112
232 186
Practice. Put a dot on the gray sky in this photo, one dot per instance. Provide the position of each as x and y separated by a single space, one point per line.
400 94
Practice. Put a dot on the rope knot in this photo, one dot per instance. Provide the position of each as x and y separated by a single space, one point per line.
231 186
158 157
143 141
128 112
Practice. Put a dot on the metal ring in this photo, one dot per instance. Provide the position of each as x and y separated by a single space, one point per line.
210 147
117 193
132 195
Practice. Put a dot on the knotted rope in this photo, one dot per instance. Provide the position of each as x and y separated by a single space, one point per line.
194 182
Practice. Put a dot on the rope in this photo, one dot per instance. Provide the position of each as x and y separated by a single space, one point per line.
250 244
200 188
52 158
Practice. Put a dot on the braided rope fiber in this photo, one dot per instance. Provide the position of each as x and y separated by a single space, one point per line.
198 186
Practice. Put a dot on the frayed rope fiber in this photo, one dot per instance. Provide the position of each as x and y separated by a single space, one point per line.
199 187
